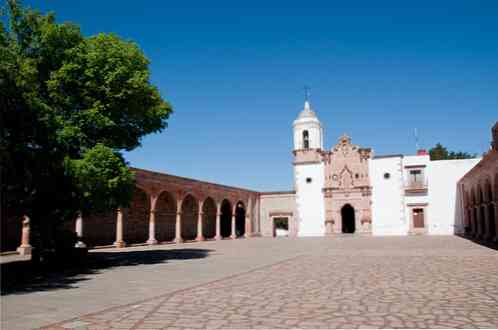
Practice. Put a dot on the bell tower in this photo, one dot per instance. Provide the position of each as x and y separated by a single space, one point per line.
309 172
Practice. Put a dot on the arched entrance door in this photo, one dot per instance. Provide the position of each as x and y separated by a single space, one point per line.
240 220
209 218
348 219
226 219
190 211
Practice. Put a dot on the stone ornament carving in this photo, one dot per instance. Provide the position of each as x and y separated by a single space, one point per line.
347 182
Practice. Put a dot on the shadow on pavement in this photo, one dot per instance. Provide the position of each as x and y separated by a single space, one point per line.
21 277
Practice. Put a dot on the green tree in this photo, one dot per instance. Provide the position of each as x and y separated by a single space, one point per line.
70 105
441 153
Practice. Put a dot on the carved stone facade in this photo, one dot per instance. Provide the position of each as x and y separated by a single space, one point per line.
347 183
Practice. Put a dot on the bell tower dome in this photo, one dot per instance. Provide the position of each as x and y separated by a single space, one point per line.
308 135
308 132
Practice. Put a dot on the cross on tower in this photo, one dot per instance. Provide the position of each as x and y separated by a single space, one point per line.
306 93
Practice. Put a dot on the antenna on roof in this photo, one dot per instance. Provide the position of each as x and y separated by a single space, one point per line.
417 146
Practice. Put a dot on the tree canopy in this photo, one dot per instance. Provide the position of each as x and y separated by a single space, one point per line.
441 153
70 104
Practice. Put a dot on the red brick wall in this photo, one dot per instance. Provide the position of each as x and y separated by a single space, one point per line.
136 220
99 229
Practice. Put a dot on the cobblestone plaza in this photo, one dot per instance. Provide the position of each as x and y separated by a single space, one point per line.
345 282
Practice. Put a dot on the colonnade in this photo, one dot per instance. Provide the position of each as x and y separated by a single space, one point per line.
237 214
481 209
213 220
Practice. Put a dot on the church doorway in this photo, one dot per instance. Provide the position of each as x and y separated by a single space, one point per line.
348 219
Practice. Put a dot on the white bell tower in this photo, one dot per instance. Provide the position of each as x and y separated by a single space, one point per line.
309 172
308 131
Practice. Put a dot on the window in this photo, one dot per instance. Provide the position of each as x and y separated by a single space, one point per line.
387 175
416 176
308 180
306 140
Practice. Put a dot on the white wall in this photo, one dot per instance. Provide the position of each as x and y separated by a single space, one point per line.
443 178
309 199
388 217
273 203
416 198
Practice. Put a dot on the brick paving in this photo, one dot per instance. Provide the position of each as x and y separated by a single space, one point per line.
352 282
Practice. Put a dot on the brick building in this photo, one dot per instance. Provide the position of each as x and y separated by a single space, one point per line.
478 193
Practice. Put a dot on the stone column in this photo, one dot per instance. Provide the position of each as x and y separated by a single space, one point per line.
200 236
79 232
25 248
119 230
218 222
248 223
232 235
152 221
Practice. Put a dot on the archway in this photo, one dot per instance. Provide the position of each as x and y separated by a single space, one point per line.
348 219
190 211
165 217
136 225
226 219
240 219
209 218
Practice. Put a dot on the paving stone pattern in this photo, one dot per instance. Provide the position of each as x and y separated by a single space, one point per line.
349 283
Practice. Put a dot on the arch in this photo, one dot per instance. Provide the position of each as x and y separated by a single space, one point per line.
226 218
306 139
209 218
348 219
190 211
165 217
240 219
136 225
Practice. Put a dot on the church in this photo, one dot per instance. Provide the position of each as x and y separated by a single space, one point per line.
344 190
347 189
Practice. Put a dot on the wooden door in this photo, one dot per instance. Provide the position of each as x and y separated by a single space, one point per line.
418 218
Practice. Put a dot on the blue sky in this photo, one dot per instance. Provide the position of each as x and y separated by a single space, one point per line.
234 72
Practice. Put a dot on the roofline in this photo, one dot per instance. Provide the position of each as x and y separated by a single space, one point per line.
195 180
388 156
290 192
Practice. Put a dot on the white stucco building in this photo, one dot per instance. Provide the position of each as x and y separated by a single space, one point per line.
349 189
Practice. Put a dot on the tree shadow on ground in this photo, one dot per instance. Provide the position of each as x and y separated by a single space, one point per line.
21 277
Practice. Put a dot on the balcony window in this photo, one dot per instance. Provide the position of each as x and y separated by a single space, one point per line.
416 177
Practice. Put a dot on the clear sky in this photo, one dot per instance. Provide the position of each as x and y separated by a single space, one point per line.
234 72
